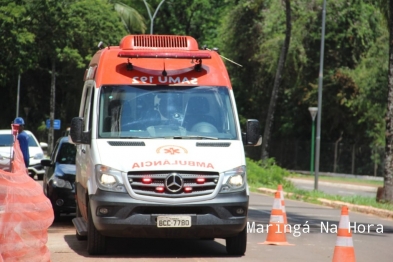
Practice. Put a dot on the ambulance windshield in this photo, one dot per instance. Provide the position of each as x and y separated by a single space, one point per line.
176 112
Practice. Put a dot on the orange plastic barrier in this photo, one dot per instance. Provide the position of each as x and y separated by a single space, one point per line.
25 215
344 250
276 234
284 212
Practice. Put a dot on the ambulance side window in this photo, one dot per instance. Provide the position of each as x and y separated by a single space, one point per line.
88 108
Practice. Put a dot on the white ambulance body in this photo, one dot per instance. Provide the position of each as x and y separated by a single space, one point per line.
160 152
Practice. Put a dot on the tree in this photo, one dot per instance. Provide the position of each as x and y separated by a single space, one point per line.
388 166
197 18
48 26
133 21
67 33
16 54
277 82
239 38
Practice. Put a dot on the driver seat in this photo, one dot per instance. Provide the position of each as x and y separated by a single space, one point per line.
197 111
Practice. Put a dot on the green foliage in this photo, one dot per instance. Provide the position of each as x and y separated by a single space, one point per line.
239 37
16 40
266 174
91 21
38 32
198 18
369 106
249 32
133 21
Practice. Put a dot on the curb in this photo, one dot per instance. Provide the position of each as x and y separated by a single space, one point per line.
338 204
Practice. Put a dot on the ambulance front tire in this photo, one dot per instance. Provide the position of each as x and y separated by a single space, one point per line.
96 243
236 246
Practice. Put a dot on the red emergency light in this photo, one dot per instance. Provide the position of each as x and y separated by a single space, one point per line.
176 55
146 180
160 189
187 189
200 180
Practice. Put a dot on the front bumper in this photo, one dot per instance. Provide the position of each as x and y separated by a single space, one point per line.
62 199
37 169
127 217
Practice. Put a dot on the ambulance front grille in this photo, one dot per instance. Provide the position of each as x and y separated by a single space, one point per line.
151 183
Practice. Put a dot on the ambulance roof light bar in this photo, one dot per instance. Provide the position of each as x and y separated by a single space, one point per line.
175 55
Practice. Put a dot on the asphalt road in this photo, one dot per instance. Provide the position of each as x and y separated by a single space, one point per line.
317 245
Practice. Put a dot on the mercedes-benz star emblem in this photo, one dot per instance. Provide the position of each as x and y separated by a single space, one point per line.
174 182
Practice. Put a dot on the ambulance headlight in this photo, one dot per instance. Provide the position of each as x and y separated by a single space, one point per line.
109 179
234 180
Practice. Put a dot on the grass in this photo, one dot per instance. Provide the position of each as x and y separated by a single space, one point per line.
341 180
268 175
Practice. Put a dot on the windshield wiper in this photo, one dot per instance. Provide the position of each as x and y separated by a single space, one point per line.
135 137
170 137
196 137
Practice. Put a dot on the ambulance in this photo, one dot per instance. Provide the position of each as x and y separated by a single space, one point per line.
160 150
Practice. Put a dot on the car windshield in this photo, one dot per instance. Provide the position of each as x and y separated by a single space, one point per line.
175 112
66 154
7 140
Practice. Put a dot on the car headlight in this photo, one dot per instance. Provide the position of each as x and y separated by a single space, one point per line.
58 182
234 180
109 179
38 156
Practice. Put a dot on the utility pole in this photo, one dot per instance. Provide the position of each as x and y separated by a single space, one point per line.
17 97
318 147
154 15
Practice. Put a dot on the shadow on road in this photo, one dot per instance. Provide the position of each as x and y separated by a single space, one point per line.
146 248
153 248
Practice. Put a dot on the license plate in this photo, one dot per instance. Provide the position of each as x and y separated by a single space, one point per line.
173 221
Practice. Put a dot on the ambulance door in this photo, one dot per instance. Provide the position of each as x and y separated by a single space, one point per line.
84 162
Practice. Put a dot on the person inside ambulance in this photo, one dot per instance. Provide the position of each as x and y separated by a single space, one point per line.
170 109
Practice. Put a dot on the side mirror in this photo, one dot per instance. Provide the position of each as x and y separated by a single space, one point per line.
252 136
46 162
77 134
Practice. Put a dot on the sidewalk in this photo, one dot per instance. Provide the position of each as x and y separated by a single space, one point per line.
383 213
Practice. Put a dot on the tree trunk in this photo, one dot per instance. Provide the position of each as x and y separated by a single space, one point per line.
375 163
52 107
387 195
277 83
353 159
336 152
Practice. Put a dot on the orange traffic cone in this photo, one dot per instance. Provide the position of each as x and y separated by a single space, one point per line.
284 213
344 251
275 231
